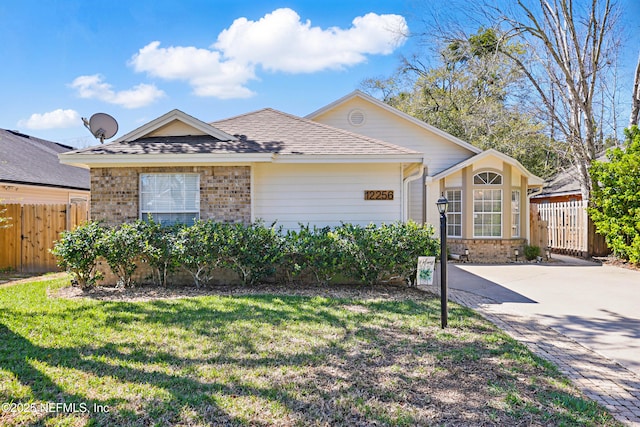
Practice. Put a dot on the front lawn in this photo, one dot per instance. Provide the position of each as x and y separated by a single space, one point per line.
373 357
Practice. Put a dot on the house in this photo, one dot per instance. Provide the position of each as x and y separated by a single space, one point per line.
356 160
562 187
30 172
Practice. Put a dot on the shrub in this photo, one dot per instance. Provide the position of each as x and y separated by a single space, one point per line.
312 251
253 251
373 253
370 254
77 252
159 249
615 199
121 246
531 252
200 249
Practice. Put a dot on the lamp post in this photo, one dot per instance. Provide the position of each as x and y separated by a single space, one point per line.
442 204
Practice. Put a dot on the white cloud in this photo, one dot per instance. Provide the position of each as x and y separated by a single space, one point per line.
94 87
56 119
279 41
202 68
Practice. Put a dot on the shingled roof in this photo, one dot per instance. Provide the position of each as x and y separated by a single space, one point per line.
298 136
25 159
262 136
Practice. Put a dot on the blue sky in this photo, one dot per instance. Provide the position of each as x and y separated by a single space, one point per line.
136 60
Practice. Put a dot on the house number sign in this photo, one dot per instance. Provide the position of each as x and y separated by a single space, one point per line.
378 194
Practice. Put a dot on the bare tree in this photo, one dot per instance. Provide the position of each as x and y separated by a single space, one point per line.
571 52
635 103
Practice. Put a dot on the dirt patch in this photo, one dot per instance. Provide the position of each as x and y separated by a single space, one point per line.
617 262
10 279
150 293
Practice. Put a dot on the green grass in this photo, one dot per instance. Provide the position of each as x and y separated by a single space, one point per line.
270 360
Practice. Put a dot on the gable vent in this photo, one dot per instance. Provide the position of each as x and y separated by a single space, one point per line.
356 117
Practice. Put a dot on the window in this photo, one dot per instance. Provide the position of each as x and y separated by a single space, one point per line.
454 213
170 198
487 178
515 213
487 213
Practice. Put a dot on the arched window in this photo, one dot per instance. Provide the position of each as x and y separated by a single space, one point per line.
487 178
487 205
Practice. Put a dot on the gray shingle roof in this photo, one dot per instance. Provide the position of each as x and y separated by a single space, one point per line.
28 160
265 131
295 135
188 144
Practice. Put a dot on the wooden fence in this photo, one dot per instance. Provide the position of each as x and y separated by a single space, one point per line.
568 226
25 244
539 229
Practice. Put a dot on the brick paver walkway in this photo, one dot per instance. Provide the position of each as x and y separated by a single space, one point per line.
599 378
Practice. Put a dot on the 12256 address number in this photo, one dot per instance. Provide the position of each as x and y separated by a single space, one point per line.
378 194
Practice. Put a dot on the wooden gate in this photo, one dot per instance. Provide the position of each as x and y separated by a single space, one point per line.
568 226
25 244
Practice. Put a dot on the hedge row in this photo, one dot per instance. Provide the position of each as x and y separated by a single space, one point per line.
370 254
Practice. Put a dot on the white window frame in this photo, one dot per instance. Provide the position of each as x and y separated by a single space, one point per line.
159 213
454 213
487 178
487 209
515 213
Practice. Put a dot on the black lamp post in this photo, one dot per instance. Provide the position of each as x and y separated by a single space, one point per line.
442 204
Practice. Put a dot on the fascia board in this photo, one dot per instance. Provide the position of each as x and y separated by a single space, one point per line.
330 158
126 160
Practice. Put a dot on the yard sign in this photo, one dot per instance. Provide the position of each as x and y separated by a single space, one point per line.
426 266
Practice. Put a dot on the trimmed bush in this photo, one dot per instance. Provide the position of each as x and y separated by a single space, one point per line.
311 251
200 249
371 254
159 249
121 246
77 252
253 251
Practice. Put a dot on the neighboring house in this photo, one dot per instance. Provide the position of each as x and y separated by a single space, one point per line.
563 187
561 206
30 172
356 160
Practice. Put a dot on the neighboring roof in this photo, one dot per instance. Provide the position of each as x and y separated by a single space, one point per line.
533 179
562 184
25 159
565 182
296 137
395 111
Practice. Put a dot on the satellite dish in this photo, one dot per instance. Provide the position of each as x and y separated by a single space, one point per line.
101 126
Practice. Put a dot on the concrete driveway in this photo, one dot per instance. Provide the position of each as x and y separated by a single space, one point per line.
596 305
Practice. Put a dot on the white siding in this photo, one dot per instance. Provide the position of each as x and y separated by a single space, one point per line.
416 192
440 154
325 194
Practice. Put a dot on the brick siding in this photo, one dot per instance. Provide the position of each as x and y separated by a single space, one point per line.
488 250
225 192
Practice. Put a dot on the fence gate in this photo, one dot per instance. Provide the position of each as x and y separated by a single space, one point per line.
25 244
568 226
